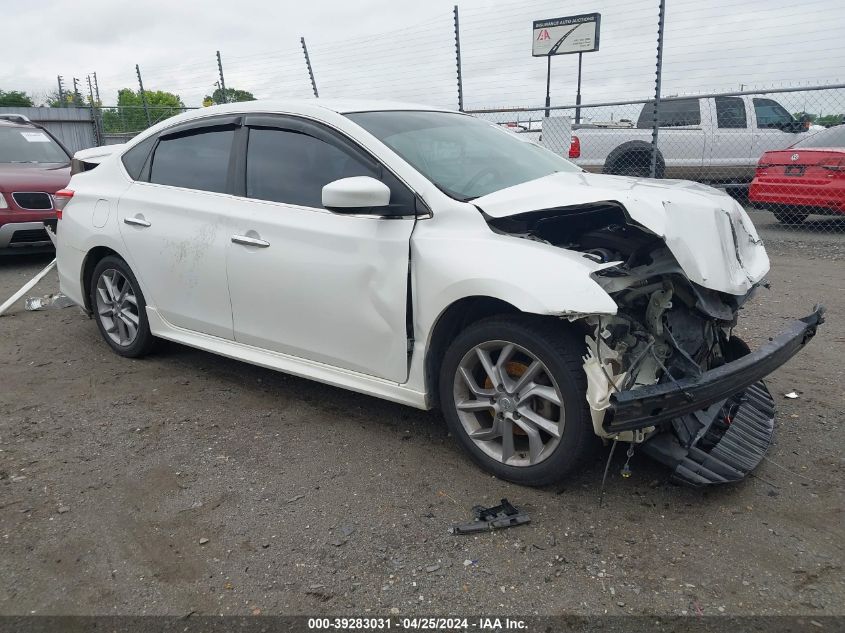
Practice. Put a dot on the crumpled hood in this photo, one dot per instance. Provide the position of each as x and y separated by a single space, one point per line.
706 230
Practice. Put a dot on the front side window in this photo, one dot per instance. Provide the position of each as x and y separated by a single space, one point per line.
671 113
194 161
771 114
293 167
463 156
29 145
730 112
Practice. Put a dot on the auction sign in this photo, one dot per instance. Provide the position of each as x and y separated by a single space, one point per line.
561 36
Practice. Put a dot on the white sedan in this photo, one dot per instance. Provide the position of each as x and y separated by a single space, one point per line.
433 259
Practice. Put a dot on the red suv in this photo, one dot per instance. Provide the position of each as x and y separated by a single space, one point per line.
33 166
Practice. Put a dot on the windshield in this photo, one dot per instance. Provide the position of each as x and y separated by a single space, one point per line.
464 156
831 137
29 145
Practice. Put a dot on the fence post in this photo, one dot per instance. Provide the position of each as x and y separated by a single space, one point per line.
458 61
96 89
62 103
658 75
310 70
222 82
76 98
143 95
94 123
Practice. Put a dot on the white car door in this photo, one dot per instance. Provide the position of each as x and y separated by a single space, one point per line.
730 156
770 119
308 282
174 222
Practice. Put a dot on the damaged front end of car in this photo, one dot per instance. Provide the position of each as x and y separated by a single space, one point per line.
666 371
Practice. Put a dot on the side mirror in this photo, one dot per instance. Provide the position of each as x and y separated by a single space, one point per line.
359 194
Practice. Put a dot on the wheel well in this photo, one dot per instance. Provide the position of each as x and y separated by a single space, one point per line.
452 321
633 152
91 260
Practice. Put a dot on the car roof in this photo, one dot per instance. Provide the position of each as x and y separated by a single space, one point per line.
311 106
13 123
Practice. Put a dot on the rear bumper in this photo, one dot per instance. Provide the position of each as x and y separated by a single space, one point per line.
825 198
648 406
23 234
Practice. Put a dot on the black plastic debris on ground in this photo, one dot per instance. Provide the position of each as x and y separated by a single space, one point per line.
498 517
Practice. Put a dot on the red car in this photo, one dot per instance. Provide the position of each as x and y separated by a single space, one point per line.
808 177
33 166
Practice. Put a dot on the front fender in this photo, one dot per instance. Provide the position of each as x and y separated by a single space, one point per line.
534 277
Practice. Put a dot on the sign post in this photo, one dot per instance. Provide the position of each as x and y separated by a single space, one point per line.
563 36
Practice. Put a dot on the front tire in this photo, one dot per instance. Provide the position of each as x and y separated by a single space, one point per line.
512 390
120 309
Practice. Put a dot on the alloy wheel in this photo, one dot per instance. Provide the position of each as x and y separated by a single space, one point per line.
117 307
508 403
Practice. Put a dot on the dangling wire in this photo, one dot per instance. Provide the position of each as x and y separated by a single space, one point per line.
606 468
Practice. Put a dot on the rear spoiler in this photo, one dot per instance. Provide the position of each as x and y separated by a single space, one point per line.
87 159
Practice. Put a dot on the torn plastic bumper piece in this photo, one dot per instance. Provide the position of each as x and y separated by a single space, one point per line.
501 516
721 444
648 406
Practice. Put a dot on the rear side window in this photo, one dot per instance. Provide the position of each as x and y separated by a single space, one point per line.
293 167
771 114
730 112
135 158
673 113
195 161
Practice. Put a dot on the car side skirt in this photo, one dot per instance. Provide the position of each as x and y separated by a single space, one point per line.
293 365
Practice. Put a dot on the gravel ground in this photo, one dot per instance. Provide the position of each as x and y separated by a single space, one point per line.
187 482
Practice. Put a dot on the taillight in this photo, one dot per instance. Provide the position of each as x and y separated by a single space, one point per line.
575 147
60 200
833 164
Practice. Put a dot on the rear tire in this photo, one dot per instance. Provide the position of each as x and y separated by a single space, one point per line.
791 217
120 309
514 429
636 165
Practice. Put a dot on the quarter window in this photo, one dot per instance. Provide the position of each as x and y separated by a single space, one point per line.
293 167
730 112
136 157
194 161
771 114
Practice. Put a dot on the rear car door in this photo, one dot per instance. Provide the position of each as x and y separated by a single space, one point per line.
308 282
730 156
173 220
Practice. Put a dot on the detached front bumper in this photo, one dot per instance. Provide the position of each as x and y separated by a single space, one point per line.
648 406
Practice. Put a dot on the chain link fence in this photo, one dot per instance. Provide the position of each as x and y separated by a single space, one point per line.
781 150
645 114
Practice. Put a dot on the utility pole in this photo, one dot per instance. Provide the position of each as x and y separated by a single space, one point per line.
310 70
222 82
658 75
143 95
60 80
458 61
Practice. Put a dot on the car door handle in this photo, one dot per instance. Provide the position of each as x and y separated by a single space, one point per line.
245 240
136 222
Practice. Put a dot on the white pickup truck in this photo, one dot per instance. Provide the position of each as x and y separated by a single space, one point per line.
714 140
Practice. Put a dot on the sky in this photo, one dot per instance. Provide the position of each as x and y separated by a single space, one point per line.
405 50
